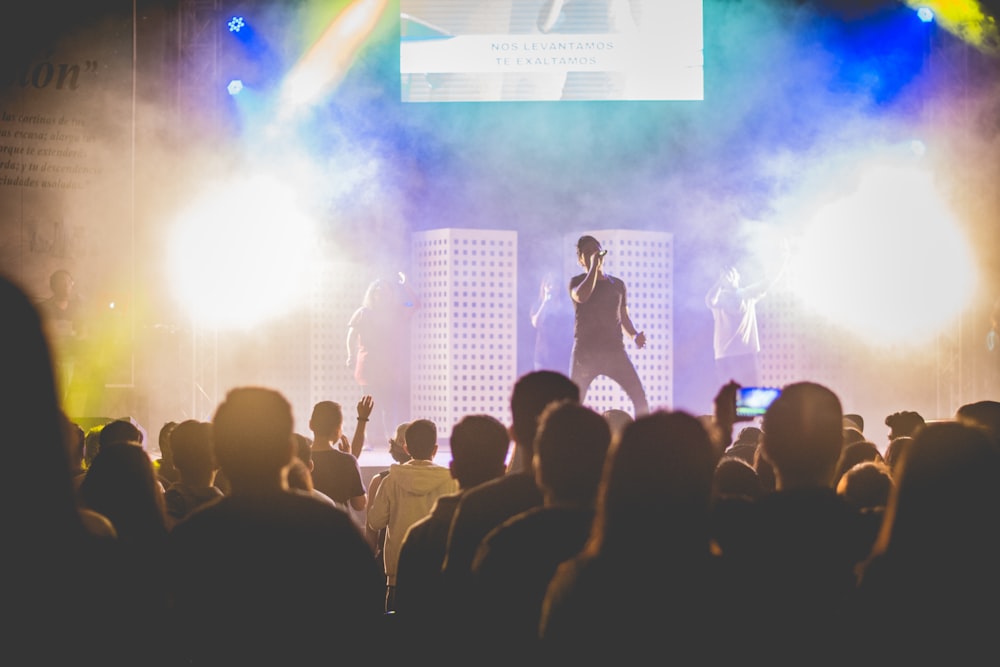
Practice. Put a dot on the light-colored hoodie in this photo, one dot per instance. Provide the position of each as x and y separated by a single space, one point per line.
405 496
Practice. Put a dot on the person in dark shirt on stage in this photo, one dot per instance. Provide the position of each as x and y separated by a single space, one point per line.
601 319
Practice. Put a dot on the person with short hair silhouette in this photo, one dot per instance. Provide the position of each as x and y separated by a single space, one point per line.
233 600
479 446
193 458
802 541
407 494
516 560
486 506
336 473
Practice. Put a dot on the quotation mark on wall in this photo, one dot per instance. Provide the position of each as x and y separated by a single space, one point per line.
89 65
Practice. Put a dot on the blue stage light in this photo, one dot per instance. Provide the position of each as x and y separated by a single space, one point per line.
925 14
234 87
236 24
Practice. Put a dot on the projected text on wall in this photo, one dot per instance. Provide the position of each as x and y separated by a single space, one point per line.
547 50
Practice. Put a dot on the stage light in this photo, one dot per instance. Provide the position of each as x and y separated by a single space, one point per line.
236 24
890 224
242 254
925 14
234 87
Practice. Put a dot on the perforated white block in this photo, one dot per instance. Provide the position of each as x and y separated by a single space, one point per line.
465 334
645 261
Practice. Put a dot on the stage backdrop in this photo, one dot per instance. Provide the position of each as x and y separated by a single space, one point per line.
66 187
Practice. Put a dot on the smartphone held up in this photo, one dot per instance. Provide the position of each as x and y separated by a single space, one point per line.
754 401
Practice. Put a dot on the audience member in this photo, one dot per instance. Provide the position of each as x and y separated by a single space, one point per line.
91 444
804 540
720 423
852 435
122 431
854 420
77 451
617 420
479 446
745 445
299 478
894 452
335 472
985 414
235 600
866 485
734 477
854 453
58 578
765 472
903 423
646 582
407 494
121 485
193 459
398 452
932 580
485 507
298 475
516 560
735 486
163 466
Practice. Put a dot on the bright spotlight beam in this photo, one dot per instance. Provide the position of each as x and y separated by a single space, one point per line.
887 262
242 255
327 62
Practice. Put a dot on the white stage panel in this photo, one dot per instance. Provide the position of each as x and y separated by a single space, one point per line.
465 335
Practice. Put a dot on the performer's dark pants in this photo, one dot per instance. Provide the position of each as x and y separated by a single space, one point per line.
614 364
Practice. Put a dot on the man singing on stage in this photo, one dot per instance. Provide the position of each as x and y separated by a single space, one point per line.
601 317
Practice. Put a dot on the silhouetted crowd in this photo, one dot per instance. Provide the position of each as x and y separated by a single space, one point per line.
596 538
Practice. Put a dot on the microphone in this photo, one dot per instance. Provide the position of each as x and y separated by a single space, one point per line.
602 253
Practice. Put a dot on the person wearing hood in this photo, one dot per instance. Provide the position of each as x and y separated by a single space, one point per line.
407 495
